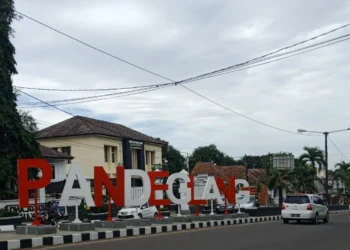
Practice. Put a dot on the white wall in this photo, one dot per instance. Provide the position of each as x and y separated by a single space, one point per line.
88 151
60 169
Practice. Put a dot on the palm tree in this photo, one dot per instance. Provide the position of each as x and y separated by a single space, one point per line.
343 172
280 178
313 156
305 176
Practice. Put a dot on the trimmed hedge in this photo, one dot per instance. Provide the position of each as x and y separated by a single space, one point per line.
4 214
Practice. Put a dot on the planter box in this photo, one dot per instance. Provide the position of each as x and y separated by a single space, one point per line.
261 211
110 224
77 227
15 221
138 222
99 216
165 213
183 219
162 221
338 207
36 230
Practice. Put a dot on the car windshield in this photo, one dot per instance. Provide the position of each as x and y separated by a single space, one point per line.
131 207
297 200
251 198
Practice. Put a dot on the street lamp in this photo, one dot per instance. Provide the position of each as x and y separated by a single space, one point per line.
326 133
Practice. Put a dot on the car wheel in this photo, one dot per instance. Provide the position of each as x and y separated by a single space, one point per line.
285 221
140 216
315 220
155 215
326 220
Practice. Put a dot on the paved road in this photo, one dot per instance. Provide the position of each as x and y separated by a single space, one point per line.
261 236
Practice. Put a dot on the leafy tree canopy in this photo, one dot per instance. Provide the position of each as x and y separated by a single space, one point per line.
15 140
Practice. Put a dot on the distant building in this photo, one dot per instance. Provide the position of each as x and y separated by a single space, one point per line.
58 162
202 170
100 143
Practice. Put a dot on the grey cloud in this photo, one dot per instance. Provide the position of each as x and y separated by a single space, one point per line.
181 39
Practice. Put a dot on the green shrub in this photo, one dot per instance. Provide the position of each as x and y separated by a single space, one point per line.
4 213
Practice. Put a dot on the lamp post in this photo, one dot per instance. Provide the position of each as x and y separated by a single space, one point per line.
326 133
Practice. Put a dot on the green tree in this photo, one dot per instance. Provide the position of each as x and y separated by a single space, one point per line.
16 142
175 161
210 154
280 179
28 122
305 176
313 156
342 172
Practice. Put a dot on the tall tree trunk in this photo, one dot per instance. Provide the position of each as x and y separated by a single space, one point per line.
280 198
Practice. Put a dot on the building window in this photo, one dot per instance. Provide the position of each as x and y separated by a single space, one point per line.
113 154
134 163
147 157
106 153
55 149
66 150
153 157
53 172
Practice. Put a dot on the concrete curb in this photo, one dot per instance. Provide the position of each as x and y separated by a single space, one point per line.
120 233
339 212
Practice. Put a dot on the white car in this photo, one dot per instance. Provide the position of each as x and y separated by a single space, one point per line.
304 207
137 212
250 204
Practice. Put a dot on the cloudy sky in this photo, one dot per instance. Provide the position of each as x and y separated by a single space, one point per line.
181 39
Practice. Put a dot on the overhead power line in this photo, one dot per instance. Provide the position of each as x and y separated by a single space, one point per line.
90 97
218 72
250 65
166 78
68 113
86 90
239 114
92 47
76 102
338 149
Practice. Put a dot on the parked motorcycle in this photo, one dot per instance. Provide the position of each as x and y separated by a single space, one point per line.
46 219
51 214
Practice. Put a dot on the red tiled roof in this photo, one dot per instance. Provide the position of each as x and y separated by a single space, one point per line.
257 175
225 172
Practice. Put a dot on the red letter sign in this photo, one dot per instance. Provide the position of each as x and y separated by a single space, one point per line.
117 193
230 192
24 185
152 176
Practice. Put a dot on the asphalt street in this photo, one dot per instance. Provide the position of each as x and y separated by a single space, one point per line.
270 236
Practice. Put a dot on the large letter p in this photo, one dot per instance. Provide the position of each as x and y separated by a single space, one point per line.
24 185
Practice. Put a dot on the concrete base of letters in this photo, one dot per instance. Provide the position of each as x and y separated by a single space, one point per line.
183 219
138 222
241 215
79 227
37 230
201 218
110 224
162 221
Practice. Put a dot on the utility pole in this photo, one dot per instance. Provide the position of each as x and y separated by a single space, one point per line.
326 133
326 159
